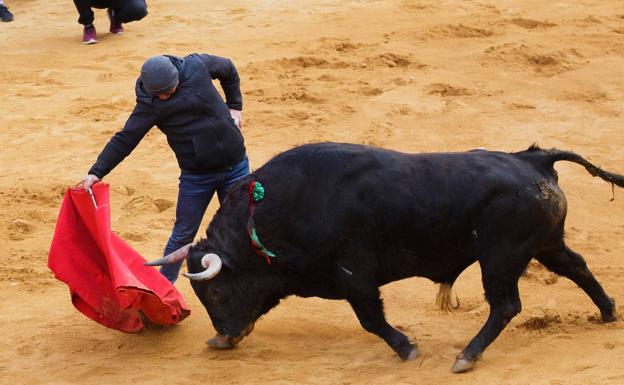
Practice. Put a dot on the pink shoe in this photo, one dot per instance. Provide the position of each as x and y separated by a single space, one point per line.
88 34
116 27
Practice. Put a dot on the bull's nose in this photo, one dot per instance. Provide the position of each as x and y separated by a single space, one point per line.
224 341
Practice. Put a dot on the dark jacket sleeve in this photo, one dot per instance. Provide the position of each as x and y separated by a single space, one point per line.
224 70
123 142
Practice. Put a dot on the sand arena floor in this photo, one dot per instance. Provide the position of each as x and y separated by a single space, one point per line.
408 75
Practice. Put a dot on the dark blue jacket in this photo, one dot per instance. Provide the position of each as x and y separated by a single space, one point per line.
196 120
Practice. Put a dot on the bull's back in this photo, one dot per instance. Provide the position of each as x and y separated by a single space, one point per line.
431 183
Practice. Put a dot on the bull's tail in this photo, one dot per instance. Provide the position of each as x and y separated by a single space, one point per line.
555 155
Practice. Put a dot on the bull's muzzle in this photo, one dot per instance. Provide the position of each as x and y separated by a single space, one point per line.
226 342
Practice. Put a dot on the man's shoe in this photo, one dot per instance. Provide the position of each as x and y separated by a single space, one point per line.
5 14
115 26
88 35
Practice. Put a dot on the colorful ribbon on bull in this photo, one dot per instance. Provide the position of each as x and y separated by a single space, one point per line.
256 194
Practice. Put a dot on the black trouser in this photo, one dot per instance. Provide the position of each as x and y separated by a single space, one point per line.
125 10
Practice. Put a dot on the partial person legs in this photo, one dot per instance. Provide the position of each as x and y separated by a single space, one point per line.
86 17
192 204
119 11
125 11
5 14
195 194
237 173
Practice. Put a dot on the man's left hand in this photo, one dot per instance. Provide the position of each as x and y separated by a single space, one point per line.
238 118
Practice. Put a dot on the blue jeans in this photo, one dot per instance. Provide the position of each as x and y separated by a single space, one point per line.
194 195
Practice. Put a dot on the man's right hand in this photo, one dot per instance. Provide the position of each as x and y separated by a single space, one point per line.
88 181
237 116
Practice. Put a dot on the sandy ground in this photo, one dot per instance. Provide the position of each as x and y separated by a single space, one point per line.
408 75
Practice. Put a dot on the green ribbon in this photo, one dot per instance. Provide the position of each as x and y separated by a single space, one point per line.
256 241
255 195
258 192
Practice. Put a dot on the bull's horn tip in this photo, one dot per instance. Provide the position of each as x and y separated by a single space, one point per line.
156 262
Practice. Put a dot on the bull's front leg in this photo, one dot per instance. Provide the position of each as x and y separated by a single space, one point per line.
371 315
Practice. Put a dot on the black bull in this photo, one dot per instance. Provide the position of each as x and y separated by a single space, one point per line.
345 219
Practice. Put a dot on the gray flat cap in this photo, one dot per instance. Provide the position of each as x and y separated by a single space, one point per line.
158 75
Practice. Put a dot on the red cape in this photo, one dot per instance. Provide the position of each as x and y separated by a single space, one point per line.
107 279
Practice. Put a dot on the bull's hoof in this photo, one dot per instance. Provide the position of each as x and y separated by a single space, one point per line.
408 353
220 342
413 354
463 364
610 316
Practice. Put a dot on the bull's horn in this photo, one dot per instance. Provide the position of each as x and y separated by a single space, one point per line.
176 256
212 264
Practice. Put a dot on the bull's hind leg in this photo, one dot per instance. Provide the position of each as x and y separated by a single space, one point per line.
371 315
500 281
563 261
